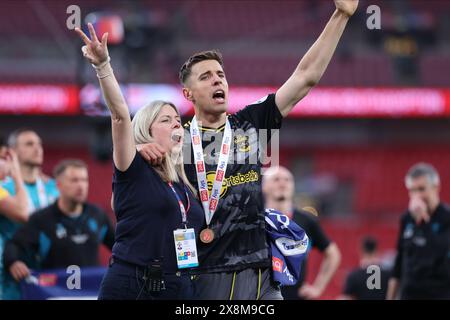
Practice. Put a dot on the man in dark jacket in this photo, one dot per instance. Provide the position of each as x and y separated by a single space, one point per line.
68 232
422 266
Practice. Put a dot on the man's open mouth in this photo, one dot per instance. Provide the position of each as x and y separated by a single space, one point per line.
219 96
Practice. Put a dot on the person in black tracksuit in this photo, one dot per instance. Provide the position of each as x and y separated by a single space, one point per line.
369 281
422 265
68 232
278 190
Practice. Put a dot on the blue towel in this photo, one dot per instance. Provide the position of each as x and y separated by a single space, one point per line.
289 246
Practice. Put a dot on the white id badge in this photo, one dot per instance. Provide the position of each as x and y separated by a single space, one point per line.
186 248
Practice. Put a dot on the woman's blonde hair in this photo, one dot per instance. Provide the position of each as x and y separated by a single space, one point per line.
172 167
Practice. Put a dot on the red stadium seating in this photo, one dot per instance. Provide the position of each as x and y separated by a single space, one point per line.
376 173
347 235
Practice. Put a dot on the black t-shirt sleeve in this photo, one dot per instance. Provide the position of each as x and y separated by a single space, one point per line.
134 170
315 233
263 114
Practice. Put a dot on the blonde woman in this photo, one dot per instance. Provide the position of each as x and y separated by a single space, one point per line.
158 216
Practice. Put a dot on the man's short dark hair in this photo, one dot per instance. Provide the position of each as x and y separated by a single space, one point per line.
186 69
62 166
369 245
13 136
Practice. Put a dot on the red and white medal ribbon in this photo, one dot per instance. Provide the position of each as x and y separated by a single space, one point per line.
210 202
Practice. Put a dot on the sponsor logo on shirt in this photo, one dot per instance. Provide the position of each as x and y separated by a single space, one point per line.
419 241
60 231
232 180
241 178
409 231
242 143
79 238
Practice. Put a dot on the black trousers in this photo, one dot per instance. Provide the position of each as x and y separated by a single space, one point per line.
127 282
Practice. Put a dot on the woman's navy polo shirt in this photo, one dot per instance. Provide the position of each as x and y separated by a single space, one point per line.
147 213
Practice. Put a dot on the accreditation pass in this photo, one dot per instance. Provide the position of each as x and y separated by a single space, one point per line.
186 248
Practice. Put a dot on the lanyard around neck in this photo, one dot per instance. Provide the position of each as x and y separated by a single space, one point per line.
183 210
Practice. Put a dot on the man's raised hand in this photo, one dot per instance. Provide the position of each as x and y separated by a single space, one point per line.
347 6
418 210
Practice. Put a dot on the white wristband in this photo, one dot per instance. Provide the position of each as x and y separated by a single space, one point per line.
105 71
104 63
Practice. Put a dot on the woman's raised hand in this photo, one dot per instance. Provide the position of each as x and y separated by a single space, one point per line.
94 50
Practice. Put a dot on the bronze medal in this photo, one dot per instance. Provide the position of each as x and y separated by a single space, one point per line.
207 235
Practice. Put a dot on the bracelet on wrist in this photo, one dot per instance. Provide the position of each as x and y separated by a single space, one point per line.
101 65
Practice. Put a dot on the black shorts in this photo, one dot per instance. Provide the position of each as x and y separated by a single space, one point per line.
126 282
248 284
